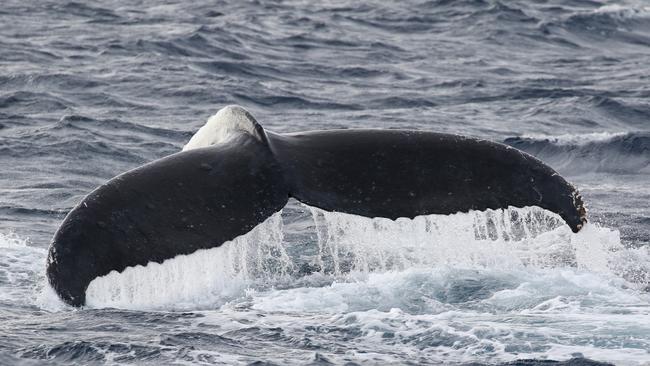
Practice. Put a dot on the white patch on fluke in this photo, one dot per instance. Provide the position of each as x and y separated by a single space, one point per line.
229 121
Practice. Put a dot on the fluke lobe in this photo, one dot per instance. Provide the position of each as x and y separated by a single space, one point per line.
233 174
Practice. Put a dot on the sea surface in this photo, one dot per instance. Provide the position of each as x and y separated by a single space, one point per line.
90 89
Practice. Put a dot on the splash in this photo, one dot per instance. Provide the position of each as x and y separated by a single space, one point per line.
348 248
19 263
493 238
201 279
22 277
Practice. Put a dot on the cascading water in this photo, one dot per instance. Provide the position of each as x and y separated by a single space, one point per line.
341 247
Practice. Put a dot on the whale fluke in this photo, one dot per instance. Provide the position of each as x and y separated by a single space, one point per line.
400 173
191 200
233 174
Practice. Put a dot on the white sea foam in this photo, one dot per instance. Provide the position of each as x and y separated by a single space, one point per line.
22 277
576 139
19 264
629 10
442 314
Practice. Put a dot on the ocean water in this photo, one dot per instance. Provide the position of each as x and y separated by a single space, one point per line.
91 89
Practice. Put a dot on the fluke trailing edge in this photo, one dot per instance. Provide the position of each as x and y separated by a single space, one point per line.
233 174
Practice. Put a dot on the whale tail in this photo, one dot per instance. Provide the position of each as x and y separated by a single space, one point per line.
393 173
233 174
196 199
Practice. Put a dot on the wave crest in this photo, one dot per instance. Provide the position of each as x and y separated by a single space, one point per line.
627 153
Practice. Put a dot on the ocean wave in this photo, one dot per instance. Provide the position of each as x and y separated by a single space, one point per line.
626 152
77 137
60 81
94 13
624 11
102 127
24 211
202 43
294 101
623 23
626 112
77 148
392 102
33 101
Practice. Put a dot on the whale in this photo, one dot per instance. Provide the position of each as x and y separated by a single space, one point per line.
233 174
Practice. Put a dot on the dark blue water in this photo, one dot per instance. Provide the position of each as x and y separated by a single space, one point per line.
91 89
